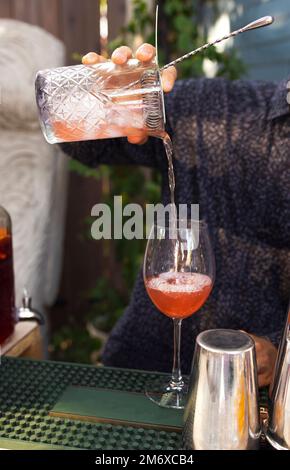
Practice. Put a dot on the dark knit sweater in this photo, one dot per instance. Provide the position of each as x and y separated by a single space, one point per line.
232 155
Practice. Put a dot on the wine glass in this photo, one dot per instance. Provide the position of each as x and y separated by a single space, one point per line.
179 272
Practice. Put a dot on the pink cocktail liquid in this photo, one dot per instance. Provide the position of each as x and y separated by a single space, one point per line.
115 116
179 294
70 131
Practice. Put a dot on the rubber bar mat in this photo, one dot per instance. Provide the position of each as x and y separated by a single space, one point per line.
30 389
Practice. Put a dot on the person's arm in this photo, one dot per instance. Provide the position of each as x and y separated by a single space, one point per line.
119 151
115 151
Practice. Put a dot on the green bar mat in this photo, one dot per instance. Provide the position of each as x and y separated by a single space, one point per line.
116 407
9 444
29 390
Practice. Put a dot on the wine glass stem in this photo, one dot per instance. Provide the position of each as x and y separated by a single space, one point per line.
176 379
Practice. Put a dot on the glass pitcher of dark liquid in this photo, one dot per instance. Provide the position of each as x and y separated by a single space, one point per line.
9 314
7 297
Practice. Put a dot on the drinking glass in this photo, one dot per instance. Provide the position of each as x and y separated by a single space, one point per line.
179 272
101 101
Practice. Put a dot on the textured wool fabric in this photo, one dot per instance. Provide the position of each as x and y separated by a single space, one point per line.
232 155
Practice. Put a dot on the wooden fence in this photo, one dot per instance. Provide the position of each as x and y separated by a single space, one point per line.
75 22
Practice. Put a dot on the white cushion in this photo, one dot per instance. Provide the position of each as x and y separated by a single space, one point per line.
24 50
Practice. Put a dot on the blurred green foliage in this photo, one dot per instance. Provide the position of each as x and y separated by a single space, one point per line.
178 34
74 344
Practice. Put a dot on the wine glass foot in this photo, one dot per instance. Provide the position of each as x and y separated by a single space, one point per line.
167 395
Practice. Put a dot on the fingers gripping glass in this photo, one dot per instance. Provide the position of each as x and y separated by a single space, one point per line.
101 101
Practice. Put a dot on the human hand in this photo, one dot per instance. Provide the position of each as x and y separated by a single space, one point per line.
145 54
266 354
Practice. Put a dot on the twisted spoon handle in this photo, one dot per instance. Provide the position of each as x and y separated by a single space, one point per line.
260 23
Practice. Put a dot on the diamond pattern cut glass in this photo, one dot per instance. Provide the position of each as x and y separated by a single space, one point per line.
101 101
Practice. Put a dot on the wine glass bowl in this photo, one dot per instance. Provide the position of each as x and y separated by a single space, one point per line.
179 272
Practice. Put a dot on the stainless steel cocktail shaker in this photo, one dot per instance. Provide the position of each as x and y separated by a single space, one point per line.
278 432
222 407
